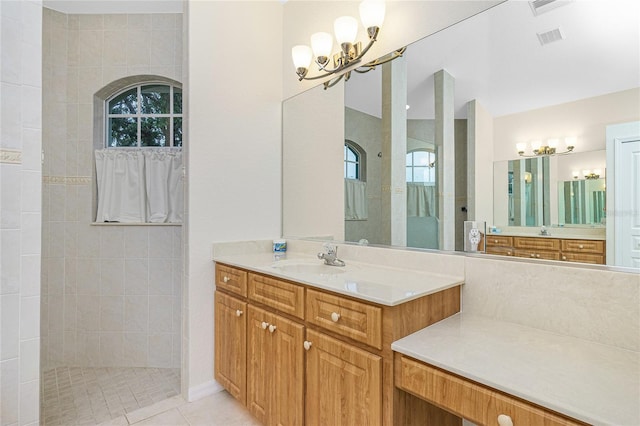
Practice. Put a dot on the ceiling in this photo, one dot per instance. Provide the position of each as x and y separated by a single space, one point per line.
114 6
496 58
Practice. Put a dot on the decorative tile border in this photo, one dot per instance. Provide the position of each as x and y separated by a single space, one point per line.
67 180
10 156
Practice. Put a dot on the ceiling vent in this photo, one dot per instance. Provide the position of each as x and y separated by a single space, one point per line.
550 36
539 7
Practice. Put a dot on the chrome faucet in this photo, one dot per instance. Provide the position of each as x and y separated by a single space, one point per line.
543 231
330 255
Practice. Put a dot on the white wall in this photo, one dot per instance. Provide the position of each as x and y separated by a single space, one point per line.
585 119
234 84
20 210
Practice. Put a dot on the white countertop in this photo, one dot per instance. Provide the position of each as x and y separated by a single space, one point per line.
551 235
379 284
595 383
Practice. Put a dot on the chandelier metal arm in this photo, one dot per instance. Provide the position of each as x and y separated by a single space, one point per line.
369 66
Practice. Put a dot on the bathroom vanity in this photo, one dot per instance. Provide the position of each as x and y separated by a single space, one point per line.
299 342
568 249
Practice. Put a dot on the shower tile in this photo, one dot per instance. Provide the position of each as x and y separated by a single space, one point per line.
70 276
31 192
29 402
136 240
136 349
159 356
87 315
111 353
161 242
89 242
115 22
9 370
88 276
70 308
160 314
56 313
162 50
70 239
56 239
112 243
10 261
111 313
55 275
136 314
139 22
160 277
30 273
113 53
165 22
29 317
136 276
29 360
112 277
9 326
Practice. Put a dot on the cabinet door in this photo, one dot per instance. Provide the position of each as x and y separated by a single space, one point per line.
344 383
230 343
258 346
287 366
275 390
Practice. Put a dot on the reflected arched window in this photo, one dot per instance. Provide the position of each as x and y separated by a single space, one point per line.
421 166
354 161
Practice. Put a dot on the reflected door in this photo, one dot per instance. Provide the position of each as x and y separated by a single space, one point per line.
628 204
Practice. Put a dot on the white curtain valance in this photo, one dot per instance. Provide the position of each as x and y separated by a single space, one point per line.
421 200
139 185
355 199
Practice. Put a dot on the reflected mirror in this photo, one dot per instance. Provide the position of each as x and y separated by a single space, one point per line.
510 87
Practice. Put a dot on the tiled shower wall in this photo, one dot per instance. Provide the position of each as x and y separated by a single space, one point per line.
20 210
111 294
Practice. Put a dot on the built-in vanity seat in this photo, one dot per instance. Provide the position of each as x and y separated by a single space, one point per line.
298 342
582 249
480 368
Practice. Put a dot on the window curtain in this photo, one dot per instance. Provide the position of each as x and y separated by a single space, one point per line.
355 199
139 185
421 200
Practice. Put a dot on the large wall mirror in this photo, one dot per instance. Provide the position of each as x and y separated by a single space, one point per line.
518 76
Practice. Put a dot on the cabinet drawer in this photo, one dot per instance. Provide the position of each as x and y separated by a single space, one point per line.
499 240
537 254
583 258
502 251
467 399
357 320
583 246
536 243
281 295
231 279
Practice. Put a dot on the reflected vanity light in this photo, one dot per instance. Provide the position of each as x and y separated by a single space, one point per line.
548 149
345 29
591 174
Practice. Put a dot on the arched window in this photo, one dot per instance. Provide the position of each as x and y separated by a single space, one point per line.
421 166
145 115
354 161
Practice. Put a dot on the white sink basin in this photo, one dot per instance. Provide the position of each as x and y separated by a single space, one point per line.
294 267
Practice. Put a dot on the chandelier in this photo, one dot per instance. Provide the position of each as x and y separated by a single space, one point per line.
551 148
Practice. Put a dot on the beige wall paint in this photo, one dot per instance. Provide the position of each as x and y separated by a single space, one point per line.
234 84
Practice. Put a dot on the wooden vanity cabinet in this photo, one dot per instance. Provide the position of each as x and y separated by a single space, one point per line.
346 359
569 250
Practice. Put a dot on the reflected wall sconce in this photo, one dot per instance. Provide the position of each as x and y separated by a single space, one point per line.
587 174
351 52
551 148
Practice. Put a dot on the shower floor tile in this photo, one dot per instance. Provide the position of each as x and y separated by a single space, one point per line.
88 396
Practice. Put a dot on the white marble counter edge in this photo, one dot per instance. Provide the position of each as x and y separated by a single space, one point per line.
247 262
491 365
551 236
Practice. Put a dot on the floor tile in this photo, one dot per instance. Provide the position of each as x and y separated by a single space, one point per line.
168 418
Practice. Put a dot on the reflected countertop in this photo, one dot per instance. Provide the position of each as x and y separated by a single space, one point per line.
384 285
592 382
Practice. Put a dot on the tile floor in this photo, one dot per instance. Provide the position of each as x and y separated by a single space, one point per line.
89 396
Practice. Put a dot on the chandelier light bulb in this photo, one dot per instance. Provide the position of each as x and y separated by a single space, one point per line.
575 174
598 172
372 13
535 145
586 172
302 56
521 147
346 29
321 45
552 143
570 143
